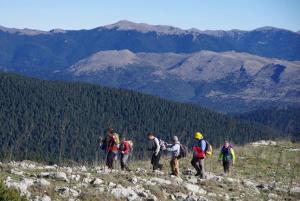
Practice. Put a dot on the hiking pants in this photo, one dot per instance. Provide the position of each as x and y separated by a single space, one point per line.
110 159
198 164
226 165
174 163
155 161
123 161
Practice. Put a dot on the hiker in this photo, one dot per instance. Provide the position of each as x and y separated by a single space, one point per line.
125 149
199 154
156 151
227 156
111 147
175 149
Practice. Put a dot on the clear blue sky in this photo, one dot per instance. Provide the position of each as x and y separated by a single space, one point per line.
201 14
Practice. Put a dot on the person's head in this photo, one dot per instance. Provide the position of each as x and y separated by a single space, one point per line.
111 131
175 139
226 143
198 136
150 136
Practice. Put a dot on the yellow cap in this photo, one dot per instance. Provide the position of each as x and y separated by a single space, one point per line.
198 135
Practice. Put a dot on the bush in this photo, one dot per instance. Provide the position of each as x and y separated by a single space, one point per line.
9 194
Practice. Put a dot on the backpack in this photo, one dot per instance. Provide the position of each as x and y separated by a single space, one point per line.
208 149
117 139
183 151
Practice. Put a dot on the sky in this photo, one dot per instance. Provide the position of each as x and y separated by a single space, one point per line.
200 14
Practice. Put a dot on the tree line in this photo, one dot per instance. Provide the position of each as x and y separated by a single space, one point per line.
55 120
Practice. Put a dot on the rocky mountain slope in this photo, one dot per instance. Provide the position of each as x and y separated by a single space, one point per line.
207 78
44 54
256 176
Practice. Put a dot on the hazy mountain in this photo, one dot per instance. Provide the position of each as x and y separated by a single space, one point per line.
221 81
36 52
165 61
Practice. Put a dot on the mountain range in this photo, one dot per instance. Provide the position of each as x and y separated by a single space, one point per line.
230 71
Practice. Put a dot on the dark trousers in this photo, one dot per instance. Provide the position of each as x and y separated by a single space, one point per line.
110 159
226 166
123 161
155 161
198 164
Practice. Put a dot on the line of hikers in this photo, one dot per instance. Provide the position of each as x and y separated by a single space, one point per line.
112 146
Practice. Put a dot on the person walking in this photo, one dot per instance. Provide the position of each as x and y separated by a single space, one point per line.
112 148
199 151
227 156
156 151
125 149
175 149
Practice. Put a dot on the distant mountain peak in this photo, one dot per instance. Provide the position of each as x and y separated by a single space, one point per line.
270 28
144 27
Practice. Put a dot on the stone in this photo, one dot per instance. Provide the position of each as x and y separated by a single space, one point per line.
16 172
42 182
134 180
66 192
194 188
295 190
96 182
160 181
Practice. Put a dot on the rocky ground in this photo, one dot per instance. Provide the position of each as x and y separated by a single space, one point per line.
270 171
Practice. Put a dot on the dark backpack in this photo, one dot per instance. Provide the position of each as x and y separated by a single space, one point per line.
183 151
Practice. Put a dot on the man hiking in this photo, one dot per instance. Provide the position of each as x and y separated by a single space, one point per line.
156 151
125 149
112 148
199 154
227 156
175 149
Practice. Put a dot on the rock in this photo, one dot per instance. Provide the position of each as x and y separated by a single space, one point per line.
263 143
295 190
87 180
212 194
43 182
96 182
194 188
111 184
75 177
180 196
134 180
21 186
66 192
160 181
193 180
60 176
44 198
16 172
272 196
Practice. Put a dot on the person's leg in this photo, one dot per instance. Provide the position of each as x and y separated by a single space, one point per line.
125 161
172 166
154 162
201 166
122 162
110 158
194 163
176 167
160 166
226 166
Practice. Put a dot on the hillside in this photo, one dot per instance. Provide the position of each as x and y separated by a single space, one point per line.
181 62
52 120
259 174
285 119
227 81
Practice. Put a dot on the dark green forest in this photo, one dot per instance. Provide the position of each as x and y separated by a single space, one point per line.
55 120
287 120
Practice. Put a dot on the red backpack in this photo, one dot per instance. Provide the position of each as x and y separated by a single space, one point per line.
124 146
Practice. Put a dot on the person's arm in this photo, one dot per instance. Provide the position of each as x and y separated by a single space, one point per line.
203 145
221 155
232 155
156 141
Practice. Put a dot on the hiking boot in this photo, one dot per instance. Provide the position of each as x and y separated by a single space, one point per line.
198 174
